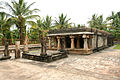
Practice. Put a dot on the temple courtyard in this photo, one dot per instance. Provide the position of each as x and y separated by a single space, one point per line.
102 65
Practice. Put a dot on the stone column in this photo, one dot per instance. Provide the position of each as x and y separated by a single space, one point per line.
54 42
6 51
85 42
26 44
72 42
49 42
59 44
65 43
17 51
78 43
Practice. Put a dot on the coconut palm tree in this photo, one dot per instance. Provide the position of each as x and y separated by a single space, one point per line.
5 23
115 23
47 23
22 15
97 22
62 22
44 25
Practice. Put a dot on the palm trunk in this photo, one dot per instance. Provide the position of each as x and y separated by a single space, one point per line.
21 29
21 35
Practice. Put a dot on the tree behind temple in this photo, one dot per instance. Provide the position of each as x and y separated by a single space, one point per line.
62 22
97 22
22 14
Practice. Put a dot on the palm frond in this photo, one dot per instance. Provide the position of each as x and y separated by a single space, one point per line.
27 8
32 23
32 17
28 12
11 8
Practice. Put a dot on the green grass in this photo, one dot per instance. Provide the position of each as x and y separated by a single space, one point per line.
117 46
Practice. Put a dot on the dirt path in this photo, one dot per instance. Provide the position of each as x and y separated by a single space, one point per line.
104 65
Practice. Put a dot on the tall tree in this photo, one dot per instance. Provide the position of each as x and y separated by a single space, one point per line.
45 24
62 22
115 23
22 14
97 22
5 24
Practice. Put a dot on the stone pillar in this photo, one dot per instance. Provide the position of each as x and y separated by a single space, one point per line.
85 42
54 42
72 42
17 50
26 44
6 53
78 43
65 43
44 45
49 42
59 44
62 42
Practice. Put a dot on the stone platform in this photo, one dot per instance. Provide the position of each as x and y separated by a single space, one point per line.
4 57
49 57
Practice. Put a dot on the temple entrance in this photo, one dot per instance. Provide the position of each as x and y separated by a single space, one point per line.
81 42
68 42
75 42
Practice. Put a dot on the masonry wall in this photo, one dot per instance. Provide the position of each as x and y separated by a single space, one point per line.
101 41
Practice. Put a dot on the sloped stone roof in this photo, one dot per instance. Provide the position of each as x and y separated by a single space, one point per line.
74 30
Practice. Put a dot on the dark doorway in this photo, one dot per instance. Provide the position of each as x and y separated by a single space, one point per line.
75 42
81 43
68 42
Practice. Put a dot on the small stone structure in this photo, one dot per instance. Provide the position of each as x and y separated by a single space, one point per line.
6 52
79 40
43 55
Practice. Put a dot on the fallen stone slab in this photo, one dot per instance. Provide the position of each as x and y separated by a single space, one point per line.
5 57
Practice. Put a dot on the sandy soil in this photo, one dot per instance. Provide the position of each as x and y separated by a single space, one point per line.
103 65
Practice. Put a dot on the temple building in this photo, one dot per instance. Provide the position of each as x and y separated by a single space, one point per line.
79 40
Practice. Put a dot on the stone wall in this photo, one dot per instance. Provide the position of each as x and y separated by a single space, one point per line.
94 42
100 41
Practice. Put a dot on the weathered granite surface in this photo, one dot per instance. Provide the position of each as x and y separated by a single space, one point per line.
103 65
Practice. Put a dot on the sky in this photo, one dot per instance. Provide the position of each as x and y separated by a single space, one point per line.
80 11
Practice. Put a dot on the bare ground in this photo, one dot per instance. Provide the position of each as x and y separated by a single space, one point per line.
103 65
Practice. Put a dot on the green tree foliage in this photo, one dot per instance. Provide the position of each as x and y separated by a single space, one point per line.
47 23
5 24
114 27
81 25
62 22
33 34
22 14
97 22
43 25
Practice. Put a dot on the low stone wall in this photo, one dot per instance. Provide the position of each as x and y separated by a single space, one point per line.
76 51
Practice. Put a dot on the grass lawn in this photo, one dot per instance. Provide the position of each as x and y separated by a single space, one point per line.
117 46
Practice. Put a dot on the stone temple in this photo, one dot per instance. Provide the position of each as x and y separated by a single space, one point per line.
79 40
